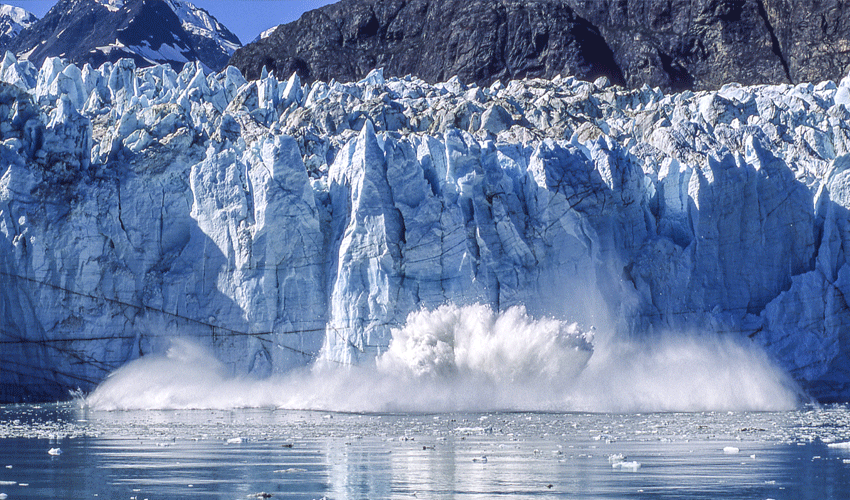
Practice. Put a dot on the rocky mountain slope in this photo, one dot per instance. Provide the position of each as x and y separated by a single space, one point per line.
13 20
148 31
675 45
283 224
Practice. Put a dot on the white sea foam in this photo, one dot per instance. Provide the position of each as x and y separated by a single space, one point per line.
471 358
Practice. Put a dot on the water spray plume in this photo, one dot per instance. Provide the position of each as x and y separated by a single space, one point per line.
474 359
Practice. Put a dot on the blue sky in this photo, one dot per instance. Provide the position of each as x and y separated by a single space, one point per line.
246 18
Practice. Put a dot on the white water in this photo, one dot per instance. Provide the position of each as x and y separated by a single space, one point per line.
472 359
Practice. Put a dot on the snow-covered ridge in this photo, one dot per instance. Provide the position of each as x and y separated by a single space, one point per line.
147 31
199 22
281 223
13 20
16 14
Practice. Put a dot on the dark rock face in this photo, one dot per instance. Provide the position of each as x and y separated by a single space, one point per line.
813 36
479 41
673 44
688 44
86 31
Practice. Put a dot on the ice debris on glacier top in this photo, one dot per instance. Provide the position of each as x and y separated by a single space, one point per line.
631 209
803 122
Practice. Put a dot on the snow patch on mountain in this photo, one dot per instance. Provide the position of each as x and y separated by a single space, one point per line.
165 52
112 5
265 34
284 225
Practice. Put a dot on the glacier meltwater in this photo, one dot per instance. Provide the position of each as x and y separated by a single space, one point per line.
560 234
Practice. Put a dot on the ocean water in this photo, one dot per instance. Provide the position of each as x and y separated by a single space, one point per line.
466 403
240 453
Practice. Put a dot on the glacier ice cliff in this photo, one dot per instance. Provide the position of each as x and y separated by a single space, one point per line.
282 224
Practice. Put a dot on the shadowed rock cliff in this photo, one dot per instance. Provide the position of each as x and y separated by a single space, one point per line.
672 44
480 41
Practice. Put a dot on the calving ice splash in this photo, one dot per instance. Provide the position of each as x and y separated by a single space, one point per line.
474 359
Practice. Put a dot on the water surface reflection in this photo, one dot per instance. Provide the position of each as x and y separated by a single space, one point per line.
290 454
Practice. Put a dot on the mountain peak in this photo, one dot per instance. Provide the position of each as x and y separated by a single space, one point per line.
13 20
148 31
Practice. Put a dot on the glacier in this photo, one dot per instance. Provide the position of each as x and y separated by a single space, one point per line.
283 225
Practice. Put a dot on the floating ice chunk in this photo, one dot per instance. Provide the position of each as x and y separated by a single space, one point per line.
8 483
3 496
731 450
54 452
616 458
842 446
482 459
470 430
630 466
236 440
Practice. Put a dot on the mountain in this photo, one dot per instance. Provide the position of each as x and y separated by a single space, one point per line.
12 21
478 40
674 45
283 225
148 31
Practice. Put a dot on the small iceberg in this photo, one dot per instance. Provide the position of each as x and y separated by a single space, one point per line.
618 461
55 452
731 450
630 466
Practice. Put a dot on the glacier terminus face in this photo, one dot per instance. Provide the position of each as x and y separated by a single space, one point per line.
283 225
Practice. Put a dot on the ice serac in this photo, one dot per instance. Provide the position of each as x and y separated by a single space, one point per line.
284 225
